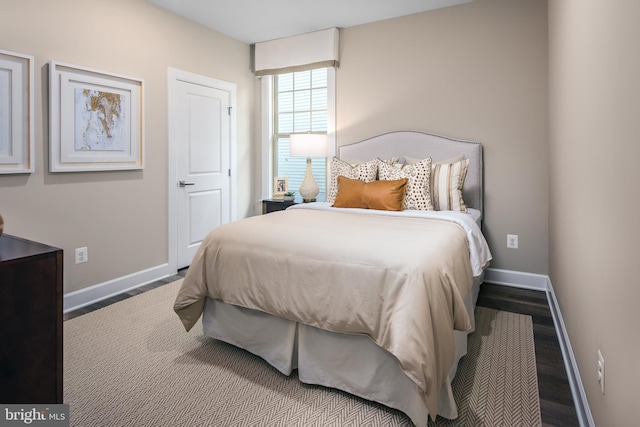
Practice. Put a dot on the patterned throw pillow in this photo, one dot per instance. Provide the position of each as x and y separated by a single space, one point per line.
366 172
355 162
446 186
418 193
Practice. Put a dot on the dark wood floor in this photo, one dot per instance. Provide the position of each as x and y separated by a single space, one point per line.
556 402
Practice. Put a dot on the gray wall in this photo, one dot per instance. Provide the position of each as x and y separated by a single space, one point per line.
476 71
594 70
120 216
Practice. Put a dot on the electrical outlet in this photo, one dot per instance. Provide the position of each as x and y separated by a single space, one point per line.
600 370
82 255
512 241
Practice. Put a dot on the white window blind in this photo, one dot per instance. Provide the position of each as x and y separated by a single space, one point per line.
300 106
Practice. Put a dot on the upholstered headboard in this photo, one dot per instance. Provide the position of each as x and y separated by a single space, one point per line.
421 145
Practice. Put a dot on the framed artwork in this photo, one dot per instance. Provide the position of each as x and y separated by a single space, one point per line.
96 120
16 113
280 186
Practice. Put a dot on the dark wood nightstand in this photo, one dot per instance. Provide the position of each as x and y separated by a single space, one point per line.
271 205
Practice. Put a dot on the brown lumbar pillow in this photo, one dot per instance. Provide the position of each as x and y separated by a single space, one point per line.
382 195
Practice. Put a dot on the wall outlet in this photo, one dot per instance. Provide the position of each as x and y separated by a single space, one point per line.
600 370
82 255
512 241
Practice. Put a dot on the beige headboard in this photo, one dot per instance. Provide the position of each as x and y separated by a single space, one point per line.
421 145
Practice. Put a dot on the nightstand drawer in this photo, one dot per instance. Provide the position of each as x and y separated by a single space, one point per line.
270 205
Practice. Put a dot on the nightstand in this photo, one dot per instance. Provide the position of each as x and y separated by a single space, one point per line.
271 205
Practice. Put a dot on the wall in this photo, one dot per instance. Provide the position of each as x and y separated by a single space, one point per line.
478 72
120 216
594 69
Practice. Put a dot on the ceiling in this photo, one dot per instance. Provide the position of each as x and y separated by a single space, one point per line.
254 21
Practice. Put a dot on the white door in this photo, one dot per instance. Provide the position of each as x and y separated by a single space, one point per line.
201 127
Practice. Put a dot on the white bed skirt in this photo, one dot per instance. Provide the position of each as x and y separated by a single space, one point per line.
352 363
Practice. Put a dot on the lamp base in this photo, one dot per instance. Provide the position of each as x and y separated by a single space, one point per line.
309 189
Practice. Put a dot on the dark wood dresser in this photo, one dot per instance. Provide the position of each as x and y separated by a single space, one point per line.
30 322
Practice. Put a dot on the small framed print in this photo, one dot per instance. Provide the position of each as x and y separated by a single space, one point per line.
280 186
16 113
96 120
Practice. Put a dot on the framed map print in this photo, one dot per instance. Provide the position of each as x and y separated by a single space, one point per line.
16 113
96 120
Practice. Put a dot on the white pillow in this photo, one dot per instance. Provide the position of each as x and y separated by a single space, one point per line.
417 194
367 172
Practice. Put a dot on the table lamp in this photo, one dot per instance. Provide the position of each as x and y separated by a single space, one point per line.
308 145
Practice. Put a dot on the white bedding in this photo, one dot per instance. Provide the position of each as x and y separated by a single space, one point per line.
478 249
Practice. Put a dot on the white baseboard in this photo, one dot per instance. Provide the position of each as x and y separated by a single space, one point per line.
83 297
516 279
585 418
541 282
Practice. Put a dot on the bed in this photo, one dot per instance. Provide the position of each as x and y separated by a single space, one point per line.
353 297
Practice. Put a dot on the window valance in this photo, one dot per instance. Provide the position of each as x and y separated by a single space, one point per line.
307 51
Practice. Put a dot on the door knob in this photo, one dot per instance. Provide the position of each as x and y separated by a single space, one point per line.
182 183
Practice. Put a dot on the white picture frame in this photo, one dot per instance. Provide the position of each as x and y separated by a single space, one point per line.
280 186
96 120
16 113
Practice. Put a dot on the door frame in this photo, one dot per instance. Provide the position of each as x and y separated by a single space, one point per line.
174 76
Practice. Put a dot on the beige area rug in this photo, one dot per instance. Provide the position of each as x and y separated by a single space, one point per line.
132 364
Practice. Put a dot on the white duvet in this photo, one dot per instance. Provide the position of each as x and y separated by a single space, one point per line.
478 248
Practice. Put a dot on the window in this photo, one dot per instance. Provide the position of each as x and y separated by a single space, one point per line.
300 105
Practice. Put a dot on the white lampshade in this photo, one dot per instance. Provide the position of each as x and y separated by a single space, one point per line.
308 145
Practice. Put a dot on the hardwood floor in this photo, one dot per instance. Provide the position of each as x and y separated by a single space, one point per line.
556 402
